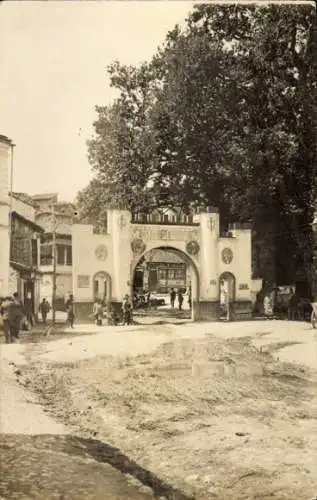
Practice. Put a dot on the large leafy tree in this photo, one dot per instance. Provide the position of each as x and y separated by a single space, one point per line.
224 114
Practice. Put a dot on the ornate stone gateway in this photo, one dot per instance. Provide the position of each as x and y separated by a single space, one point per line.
197 239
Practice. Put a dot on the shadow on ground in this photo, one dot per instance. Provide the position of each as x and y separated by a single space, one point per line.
68 467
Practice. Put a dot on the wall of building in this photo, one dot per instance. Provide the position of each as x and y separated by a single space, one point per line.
5 151
64 287
87 261
63 222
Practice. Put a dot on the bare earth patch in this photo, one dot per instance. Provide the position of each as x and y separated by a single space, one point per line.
216 418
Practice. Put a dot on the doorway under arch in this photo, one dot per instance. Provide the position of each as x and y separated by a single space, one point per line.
227 285
102 286
192 285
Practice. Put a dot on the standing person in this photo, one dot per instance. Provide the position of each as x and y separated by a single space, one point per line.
44 309
28 306
148 299
292 306
98 312
4 311
180 300
190 297
70 311
173 297
267 304
15 315
127 310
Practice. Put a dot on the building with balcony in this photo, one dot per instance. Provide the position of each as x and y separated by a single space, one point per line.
24 276
53 215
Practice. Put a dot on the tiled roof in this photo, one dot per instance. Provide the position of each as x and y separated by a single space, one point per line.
164 256
24 197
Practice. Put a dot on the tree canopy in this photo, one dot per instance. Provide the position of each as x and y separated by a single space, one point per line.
224 114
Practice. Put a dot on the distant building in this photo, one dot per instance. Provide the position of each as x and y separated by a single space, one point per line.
161 271
64 213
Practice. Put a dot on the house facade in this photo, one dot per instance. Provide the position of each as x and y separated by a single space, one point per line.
24 275
60 220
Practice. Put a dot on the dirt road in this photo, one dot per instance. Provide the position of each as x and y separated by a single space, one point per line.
206 408
41 459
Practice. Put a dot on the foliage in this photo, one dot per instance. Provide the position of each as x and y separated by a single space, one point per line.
224 114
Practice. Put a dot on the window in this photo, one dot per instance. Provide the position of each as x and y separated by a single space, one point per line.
171 274
180 274
34 251
61 255
162 274
69 259
46 255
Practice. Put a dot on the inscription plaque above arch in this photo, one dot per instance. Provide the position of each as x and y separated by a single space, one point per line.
227 255
138 246
101 252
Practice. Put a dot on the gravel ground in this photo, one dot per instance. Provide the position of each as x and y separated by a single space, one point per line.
216 418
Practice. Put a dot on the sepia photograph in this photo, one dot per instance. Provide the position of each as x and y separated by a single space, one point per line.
158 250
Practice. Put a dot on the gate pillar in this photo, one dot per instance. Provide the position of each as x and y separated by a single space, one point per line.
208 307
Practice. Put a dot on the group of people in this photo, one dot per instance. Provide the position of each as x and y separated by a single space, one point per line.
12 314
180 298
124 316
45 308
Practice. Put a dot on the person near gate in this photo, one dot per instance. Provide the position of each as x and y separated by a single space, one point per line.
15 316
4 311
70 311
268 306
190 297
172 297
180 300
44 309
292 306
98 312
127 310
28 308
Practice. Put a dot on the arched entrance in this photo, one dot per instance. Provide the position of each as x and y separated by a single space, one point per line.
227 292
102 285
227 283
147 276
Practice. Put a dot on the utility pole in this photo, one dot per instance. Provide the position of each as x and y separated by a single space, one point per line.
54 263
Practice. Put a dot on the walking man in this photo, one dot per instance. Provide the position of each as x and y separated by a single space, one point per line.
15 315
180 300
173 297
44 309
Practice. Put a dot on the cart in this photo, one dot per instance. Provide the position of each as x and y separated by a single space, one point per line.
313 318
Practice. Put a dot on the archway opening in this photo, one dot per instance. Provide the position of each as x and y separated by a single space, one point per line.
102 287
165 280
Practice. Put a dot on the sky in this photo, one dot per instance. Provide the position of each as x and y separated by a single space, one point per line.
53 58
